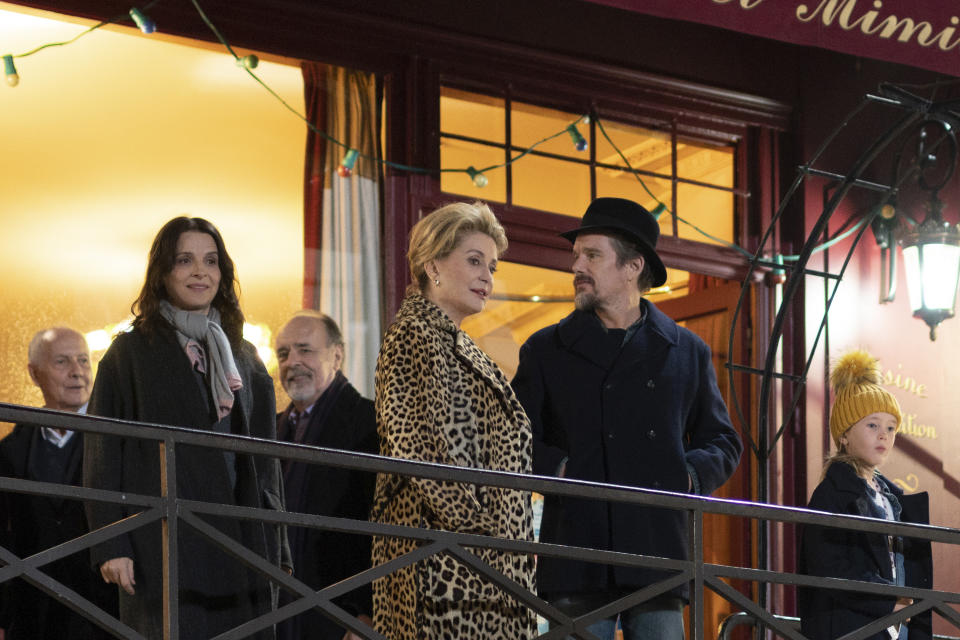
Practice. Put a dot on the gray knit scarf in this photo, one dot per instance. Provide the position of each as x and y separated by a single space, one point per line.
209 351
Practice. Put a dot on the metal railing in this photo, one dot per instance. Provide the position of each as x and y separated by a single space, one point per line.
175 511
742 619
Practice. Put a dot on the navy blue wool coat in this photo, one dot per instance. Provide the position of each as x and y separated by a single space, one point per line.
641 415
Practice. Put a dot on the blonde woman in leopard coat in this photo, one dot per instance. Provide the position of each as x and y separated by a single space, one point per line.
439 398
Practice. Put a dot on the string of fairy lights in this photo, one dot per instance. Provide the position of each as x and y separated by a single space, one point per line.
248 63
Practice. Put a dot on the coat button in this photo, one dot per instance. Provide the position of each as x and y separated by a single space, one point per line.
608 386
610 436
652 434
656 484
651 384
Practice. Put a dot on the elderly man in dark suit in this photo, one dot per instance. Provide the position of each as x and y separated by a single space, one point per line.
59 364
326 411
619 393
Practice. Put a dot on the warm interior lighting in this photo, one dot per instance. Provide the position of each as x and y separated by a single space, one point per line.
258 334
75 251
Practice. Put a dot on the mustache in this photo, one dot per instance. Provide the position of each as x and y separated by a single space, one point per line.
297 370
582 280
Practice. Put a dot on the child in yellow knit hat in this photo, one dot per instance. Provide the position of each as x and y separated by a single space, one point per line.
864 421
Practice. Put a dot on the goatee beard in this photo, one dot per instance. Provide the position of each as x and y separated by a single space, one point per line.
585 301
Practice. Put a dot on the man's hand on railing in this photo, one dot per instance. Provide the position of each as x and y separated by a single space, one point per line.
119 571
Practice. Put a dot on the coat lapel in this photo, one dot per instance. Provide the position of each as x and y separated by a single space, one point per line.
646 353
18 448
478 362
180 378
76 457
647 348
846 480
576 334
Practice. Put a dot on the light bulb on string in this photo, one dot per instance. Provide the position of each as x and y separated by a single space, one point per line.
579 142
777 275
658 210
145 24
10 71
248 61
345 170
479 180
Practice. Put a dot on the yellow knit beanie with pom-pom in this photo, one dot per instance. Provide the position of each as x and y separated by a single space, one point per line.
857 393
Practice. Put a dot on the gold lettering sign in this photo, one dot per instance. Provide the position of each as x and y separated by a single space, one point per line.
906 383
844 14
872 21
911 427
744 4
910 485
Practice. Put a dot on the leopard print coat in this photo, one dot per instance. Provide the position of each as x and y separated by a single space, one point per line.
439 398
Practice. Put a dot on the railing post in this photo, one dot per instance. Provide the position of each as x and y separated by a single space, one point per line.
168 541
696 585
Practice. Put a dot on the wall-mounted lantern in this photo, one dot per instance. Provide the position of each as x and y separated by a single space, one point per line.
931 249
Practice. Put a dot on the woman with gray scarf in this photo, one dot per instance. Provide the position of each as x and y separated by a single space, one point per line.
184 363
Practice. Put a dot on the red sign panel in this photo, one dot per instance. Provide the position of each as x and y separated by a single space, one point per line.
920 33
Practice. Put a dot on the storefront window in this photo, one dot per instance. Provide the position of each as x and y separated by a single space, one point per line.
694 178
153 130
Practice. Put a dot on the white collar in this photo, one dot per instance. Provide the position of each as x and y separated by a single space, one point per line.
53 437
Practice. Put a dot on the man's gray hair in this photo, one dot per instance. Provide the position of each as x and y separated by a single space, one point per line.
40 338
334 335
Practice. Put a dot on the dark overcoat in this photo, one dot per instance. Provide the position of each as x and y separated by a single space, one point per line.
323 557
858 555
36 523
641 414
150 379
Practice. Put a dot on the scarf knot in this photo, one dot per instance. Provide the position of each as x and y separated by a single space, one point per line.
208 349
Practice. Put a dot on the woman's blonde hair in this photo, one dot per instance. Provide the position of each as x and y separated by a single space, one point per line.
437 234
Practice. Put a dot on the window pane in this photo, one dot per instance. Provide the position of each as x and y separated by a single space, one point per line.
551 185
472 114
458 154
646 149
713 165
530 124
612 183
559 186
709 209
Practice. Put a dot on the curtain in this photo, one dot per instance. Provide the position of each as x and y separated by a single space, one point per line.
342 217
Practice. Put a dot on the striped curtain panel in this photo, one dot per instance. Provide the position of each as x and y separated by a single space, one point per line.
342 275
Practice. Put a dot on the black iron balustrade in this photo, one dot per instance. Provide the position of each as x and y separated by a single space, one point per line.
173 512
742 619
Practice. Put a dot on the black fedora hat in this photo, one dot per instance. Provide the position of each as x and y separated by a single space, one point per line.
630 219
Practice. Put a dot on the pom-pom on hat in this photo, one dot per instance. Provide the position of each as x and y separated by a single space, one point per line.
857 393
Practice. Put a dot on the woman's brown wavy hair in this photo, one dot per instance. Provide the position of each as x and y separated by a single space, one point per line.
146 308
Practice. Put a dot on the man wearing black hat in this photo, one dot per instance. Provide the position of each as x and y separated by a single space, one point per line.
617 392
